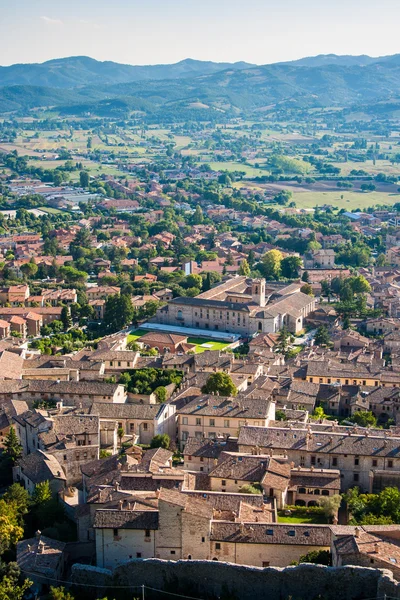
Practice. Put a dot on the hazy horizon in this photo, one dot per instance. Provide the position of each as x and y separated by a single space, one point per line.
146 32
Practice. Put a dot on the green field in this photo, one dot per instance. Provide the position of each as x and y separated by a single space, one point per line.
236 166
350 200
51 211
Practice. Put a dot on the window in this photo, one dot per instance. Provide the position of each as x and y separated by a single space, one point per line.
301 490
313 460
223 482
131 427
138 555
147 533
356 477
265 563
203 539
115 533
356 461
374 462
185 435
390 464
334 461
144 426
212 422
198 421
218 546
184 420
270 532
172 551
292 533
226 423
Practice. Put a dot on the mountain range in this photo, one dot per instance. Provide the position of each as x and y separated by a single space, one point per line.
79 85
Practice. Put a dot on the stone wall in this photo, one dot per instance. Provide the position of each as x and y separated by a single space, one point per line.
211 580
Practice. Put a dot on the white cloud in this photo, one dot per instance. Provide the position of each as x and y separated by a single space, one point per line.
89 24
51 21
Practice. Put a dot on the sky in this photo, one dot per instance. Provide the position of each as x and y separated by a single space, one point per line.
167 31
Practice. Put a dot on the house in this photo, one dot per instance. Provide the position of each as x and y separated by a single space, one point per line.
215 416
5 329
39 467
101 292
201 454
8 410
166 342
42 559
322 258
140 422
373 546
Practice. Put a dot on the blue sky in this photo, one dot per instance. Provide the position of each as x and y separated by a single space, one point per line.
165 31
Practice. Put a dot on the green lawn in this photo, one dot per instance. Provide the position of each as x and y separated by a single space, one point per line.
296 518
237 166
134 335
210 344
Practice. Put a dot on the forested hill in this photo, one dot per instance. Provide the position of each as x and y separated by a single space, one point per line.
234 88
82 70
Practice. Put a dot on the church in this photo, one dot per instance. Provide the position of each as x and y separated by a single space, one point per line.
242 306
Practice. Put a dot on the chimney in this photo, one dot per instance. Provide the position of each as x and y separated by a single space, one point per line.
116 486
376 547
40 548
357 532
120 503
38 534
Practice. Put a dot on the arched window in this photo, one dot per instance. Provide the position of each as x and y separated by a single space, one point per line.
180 315
256 289
189 557
325 493
302 490
316 492
259 326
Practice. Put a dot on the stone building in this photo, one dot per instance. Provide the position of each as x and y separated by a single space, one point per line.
211 416
364 459
242 306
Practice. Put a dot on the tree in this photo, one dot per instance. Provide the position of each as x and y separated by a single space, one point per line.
322 337
13 448
161 440
66 318
29 269
19 496
271 264
381 261
249 489
42 493
318 413
363 419
59 593
198 216
10 586
220 383
290 266
307 289
330 505
280 415
120 434
10 528
306 277
125 378
317 557
244 268
284 340
84 179
118 312
161 394
359 285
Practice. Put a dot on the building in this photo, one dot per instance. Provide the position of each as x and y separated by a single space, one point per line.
364 459
242 306
210 416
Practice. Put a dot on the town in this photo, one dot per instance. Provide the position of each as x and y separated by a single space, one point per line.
199 351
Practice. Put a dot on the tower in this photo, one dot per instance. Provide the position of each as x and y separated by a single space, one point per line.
258 291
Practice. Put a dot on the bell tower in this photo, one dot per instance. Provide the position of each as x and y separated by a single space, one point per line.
258 291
